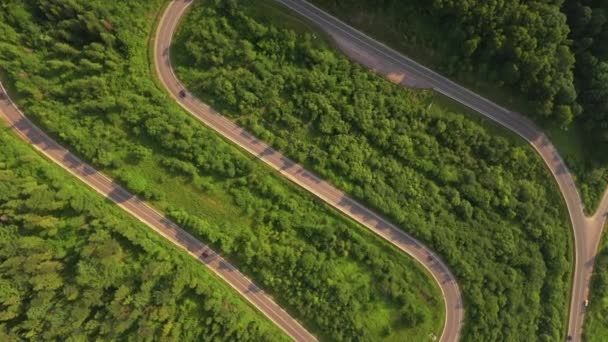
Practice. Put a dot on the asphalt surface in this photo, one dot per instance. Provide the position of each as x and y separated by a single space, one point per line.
402 70
297 174
105 186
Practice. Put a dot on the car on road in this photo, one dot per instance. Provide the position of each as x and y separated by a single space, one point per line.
182 93
205 253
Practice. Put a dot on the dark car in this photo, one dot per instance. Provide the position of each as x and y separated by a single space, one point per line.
182 93
205 254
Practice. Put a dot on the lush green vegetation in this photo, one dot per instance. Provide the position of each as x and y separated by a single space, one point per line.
545 59
596 325
484 202
72 264
588 22
81 70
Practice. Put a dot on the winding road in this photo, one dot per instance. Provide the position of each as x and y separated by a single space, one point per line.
404 71
105 186
291 170
400 69
397 68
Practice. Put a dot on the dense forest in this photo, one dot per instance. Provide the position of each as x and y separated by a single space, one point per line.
588 21
596 325
485 202
72 264
80 69
551 54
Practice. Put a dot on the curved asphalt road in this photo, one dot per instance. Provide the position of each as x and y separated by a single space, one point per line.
152 218
402 70
297 174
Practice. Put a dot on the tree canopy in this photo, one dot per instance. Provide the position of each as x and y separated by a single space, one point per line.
80 69
596 326
546 59
484 202
73 265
